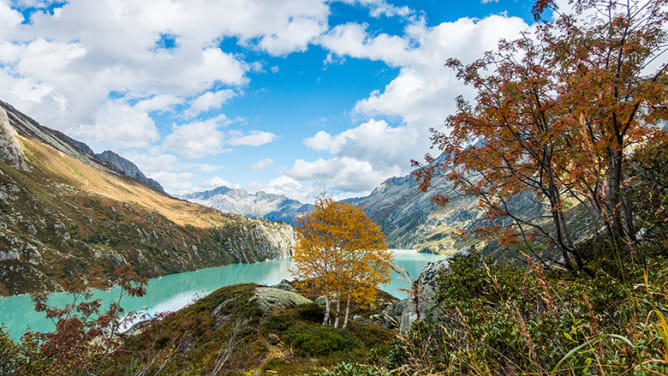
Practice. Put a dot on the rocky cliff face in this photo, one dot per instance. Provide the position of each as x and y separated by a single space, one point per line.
64 212
410 220
128 168
10 150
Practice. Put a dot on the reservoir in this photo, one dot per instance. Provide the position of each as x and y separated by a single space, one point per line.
174 291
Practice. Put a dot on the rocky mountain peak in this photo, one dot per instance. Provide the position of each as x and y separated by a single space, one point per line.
128 168
10 149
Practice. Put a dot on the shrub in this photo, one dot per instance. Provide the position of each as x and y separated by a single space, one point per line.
277 323
318 340
505 319
347 369
311 312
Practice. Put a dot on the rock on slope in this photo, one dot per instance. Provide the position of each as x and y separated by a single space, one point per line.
63 212
237 201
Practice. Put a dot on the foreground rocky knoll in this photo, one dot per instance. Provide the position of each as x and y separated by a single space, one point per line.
251 329
65 211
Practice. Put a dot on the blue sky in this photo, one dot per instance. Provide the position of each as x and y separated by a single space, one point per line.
294 96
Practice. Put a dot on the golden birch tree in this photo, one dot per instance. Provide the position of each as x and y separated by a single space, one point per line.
342 253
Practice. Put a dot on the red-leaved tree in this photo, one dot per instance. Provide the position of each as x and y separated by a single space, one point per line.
556 114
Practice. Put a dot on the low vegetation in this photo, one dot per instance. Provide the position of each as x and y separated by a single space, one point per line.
503 319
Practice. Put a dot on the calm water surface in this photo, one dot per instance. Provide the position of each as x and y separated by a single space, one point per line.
172 292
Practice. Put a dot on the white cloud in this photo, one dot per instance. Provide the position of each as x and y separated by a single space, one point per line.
342 174
65 64
295 37
197 139
290 187
158 103
351 39
9 18
212 183
203 138
154 162
175 182
262 164
209 100
186 182
373 141
255 138
34 3
379 8
419 98
120 126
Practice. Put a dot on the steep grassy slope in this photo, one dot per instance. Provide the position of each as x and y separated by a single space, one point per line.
66 214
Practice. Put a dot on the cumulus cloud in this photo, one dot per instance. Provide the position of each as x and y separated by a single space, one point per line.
379 8
208 101
340 173
98 71
420 97
212 183
65 64
262 164
158 103
34 3
9 18
154 162
120 126
352 39
197 139
290 187
254 138
373 141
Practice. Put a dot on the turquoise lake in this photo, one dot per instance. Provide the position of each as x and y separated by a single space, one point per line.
174 291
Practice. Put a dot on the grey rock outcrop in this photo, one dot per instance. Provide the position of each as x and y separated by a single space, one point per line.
268 297
10 149
419 306
27 127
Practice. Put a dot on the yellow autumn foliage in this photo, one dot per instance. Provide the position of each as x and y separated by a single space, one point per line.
342 253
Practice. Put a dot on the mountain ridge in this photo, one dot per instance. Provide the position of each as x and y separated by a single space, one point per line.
129 169
274 207
68 212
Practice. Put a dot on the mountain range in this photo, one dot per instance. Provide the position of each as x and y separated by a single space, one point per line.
406 215
270 206
65 211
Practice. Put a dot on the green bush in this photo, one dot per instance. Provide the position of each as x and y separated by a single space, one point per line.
649 190
311 312
278 323
347 369
319 340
